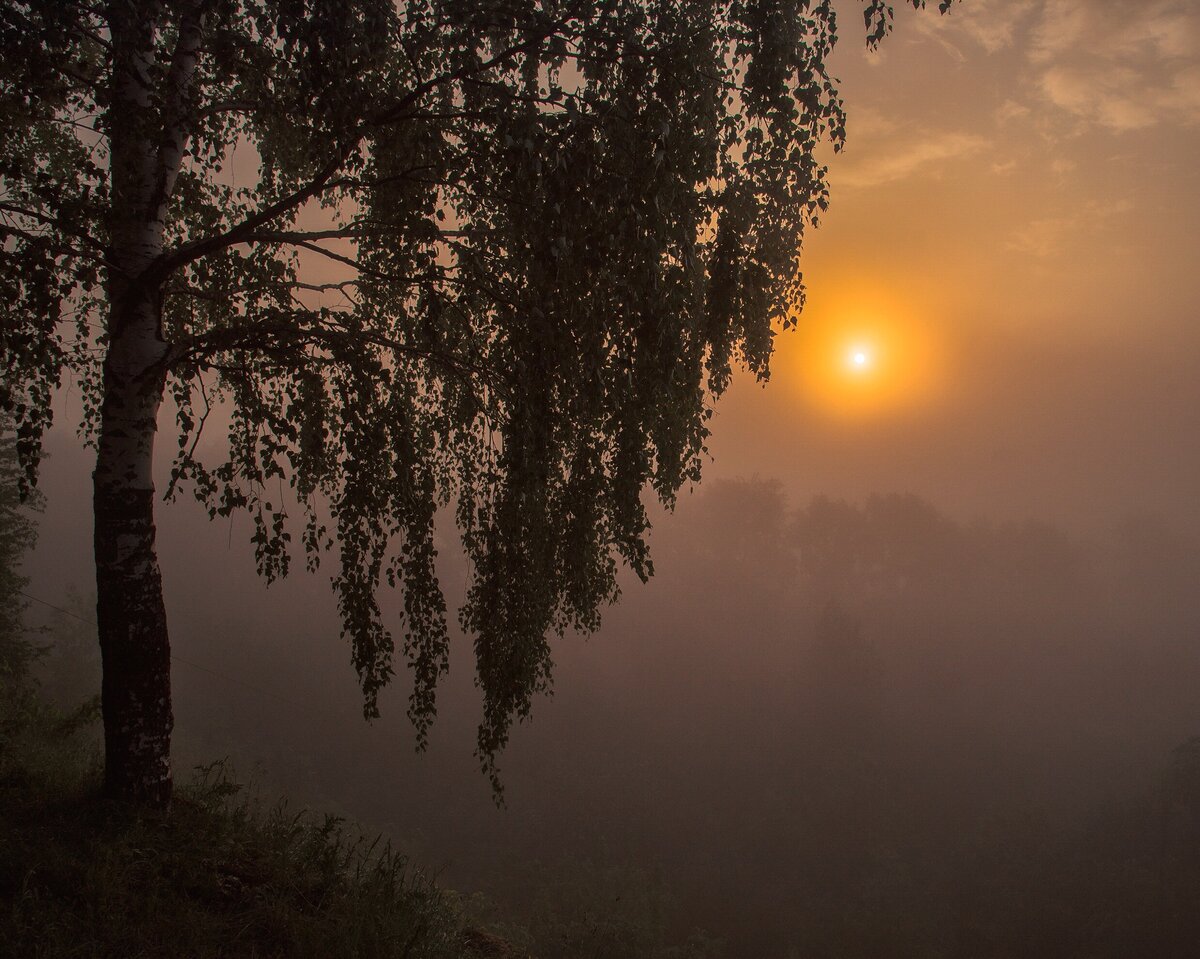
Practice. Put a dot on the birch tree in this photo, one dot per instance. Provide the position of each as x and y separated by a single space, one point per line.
558 227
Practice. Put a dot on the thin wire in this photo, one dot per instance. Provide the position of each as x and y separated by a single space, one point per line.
174 657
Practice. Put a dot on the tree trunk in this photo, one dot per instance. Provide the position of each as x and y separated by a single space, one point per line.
134 645
147 137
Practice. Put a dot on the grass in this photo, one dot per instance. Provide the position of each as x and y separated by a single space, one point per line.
222 874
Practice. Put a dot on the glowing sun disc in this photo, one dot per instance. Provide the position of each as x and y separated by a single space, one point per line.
861 354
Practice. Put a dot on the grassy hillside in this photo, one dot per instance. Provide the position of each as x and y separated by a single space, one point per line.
228 874
222 874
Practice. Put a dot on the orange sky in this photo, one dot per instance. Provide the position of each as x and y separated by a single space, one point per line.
1013 239
1014 226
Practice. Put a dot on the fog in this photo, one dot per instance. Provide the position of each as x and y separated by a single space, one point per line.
829 726
914 679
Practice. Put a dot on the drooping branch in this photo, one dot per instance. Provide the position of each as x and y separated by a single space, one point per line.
323 180
398 110
186 253
190 455
55 223
288 334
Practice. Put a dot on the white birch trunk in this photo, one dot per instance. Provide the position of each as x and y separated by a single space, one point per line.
147 143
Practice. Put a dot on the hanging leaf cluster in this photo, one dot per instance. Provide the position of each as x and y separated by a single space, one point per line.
496 259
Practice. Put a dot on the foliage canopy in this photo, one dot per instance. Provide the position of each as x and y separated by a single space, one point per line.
496 256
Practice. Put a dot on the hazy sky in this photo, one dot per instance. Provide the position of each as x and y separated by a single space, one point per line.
1012 249
1012 244
1013 240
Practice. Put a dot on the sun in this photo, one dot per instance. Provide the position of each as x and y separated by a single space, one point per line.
859 359
863 357
862 353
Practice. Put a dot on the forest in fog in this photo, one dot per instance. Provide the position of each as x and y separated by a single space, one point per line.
456 504
823 729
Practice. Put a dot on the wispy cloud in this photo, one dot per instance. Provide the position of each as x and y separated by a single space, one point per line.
1123 98
991 24
1011 110
897 159
871 124
1105 63
1050 236
1122 68
1116 30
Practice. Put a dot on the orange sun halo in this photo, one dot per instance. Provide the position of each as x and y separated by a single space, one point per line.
859 360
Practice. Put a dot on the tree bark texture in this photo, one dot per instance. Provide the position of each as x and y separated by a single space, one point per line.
134 644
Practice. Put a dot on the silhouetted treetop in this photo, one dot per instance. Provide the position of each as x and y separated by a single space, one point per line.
496 256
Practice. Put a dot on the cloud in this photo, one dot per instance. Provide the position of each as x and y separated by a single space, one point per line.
1112 66
1114 97
1011 110
1116 30
870 124
1122 98
1049 236
1106 63
887 162
991 24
